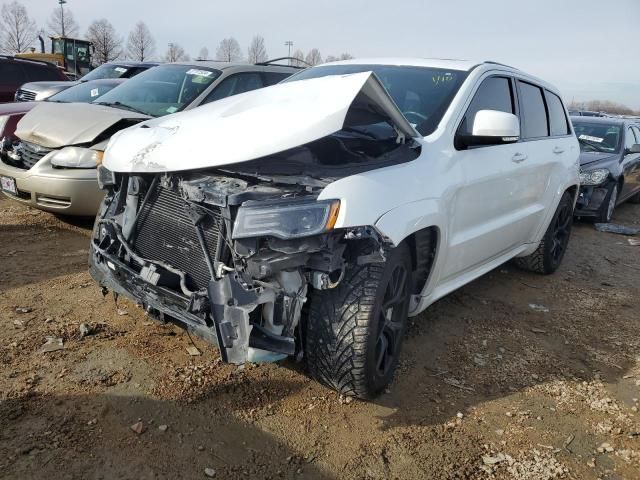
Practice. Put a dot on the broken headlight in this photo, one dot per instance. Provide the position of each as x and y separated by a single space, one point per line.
76 157
106 178
593 177
286 220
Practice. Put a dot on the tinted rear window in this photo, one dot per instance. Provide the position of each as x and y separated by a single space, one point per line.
37 73
558 123
534 114
11 73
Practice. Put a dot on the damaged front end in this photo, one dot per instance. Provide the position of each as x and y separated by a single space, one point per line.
230 258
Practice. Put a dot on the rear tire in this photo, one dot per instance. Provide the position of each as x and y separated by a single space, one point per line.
354 331
549 254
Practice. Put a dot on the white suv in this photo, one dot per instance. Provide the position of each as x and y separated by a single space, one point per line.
310 218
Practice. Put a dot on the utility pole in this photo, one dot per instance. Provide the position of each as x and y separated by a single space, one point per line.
289 44
62 2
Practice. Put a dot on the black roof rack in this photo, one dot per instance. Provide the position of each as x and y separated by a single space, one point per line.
500 64
273 60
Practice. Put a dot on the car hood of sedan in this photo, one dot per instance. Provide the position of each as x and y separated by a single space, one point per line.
252 125
587 158
56 125
42 86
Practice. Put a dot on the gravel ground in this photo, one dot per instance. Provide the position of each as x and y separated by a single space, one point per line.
513 376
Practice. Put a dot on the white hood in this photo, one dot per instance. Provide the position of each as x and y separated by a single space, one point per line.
248 126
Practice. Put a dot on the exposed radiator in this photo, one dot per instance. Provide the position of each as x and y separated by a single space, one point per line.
165 233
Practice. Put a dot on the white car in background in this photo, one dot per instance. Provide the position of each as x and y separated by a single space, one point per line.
312 217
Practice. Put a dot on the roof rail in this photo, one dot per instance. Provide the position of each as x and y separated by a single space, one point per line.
500 64
273 60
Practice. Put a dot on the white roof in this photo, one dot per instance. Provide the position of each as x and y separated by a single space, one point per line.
446 63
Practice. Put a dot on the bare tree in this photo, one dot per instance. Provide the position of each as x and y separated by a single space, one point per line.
257 52
299 58
346 56
107 43
176 53
331 58
229 50
55 26
18 31
141 45
204 54
314 57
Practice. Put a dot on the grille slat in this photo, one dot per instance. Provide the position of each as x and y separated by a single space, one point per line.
165 233
30 153
25 96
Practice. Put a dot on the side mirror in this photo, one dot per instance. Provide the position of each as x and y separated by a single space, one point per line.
635 148
491 127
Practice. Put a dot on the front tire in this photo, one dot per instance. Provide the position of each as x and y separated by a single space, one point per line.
549 254
605 214
354 332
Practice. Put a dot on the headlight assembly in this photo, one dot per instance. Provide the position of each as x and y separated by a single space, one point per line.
286 220
76 157
593 177
106 178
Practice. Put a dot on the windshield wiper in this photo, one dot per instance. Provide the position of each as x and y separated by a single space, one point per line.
122 106
593 145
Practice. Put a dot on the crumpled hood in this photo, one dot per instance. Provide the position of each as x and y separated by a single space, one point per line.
56 125
587 158
250 125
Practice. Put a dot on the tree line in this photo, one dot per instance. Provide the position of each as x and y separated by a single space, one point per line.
605 106
19 33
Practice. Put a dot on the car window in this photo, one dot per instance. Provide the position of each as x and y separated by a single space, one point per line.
558 123
40 73
235 84
533 115
11 73
598 137
637 132
271 78
493 94
108 71
82 93
162 90
630 138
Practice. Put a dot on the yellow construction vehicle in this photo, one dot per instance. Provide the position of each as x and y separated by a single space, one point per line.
71 54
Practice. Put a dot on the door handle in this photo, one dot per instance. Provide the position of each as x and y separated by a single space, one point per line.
519 157
558 150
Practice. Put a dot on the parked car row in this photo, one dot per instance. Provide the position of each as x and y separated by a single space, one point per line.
311 217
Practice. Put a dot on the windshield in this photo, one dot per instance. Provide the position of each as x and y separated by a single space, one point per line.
83 92
422 94
161 90
106 71
598 137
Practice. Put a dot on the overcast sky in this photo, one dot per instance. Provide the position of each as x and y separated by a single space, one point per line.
590 49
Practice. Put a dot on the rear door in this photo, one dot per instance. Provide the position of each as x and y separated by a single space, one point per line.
488 212
11 78
549 145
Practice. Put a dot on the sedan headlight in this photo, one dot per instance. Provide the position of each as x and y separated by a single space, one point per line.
286 220
593 177
76 157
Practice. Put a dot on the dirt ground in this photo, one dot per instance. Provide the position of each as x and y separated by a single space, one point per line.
513 376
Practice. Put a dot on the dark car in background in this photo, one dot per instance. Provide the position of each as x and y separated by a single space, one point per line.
36 91
17 71
609 165
11 113
586 113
